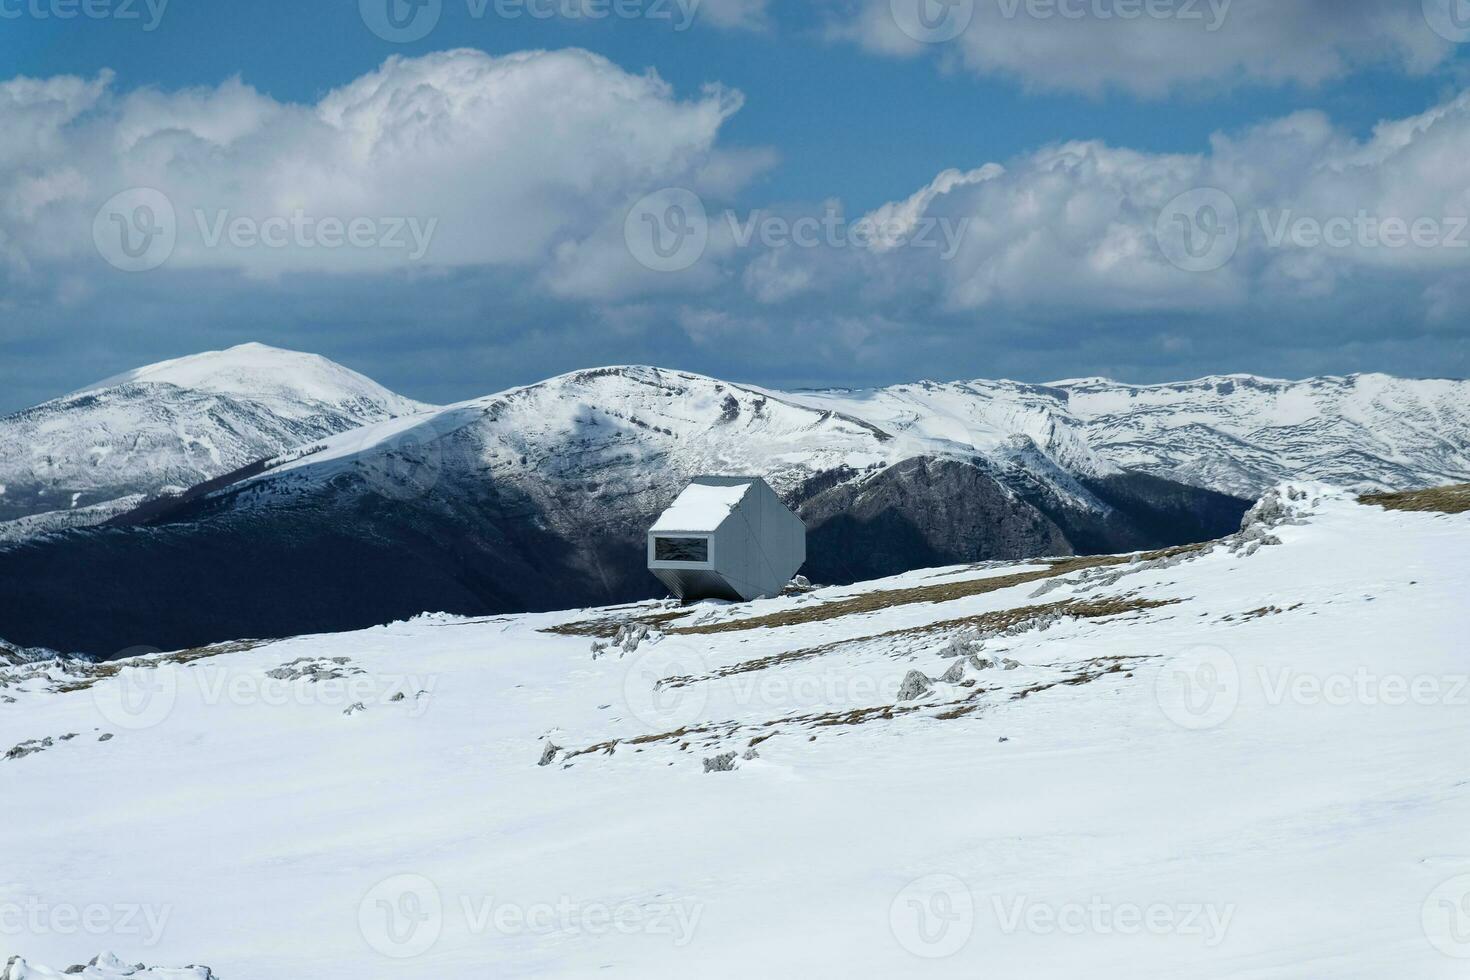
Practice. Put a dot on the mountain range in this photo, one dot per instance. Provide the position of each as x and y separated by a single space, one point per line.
538 497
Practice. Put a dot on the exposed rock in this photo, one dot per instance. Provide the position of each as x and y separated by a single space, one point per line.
914 685
30 747
548 754
751 753
314 669
354 708
725 762
955 674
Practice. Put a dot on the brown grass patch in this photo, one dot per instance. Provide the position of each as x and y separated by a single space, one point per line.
986 623
111 668
866 602
1441 500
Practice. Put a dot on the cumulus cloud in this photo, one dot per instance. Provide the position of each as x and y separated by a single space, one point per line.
1150 47
1287 212
479 160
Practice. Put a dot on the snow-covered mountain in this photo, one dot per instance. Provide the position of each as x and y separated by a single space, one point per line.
84 457
1237 434
539 498
1238 760
1240 433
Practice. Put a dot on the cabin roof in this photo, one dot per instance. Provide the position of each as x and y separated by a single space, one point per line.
703 506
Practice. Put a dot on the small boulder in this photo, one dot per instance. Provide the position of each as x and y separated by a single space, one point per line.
725 762
914 685
956 672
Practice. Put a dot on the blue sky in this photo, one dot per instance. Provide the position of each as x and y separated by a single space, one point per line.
1055 272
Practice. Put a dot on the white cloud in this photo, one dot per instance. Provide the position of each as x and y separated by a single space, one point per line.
1151 47
1072 230
508 157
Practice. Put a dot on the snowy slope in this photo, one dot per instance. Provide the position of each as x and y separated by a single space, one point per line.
1240 433
172 425
1237 761
1237 434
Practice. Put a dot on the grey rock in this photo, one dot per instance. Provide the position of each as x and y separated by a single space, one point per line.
725 762
548 754
955 674
914 685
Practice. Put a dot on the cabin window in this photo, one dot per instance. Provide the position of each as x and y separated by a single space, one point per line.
681 549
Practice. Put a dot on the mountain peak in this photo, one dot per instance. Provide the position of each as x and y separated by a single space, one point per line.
291 382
